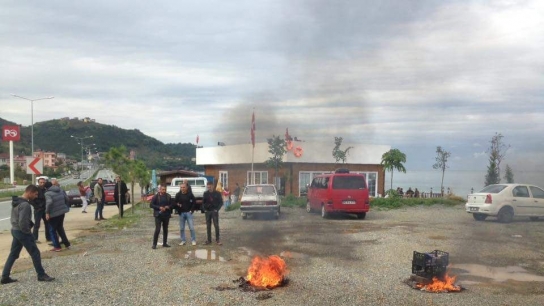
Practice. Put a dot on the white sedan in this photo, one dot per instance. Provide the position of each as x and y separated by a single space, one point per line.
505 201
262 198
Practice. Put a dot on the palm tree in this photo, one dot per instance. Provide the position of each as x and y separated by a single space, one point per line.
393 160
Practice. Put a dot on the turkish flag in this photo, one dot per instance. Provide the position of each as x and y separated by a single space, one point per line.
197 139
253 129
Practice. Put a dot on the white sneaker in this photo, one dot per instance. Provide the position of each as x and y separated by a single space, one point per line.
159 243
182 243
193 243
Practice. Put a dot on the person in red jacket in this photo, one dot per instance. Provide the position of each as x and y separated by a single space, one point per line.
83 196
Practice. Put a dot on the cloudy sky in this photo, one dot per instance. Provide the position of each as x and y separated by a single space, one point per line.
410 74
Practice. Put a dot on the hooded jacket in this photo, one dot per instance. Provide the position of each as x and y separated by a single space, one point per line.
39 202
56 202
21 215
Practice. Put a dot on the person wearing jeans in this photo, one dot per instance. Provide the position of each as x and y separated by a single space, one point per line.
100 198
56 206
185 206
21 223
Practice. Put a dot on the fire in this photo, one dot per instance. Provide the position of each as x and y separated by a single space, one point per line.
446 284
266 272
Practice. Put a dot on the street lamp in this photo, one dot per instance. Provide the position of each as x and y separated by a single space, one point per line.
81 142
32 124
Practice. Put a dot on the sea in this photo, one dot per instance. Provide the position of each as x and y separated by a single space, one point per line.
460 182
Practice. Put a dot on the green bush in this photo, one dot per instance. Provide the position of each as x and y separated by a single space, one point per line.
293 201
397 202
233 206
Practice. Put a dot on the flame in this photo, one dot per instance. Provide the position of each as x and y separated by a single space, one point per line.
446 284
266 272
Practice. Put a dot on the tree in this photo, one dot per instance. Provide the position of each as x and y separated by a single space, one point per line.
497 152
139 173
441 162
492 176
340 155
276 147
393 160
509 175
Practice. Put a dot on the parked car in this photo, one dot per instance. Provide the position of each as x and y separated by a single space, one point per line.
109 190
262 198
505 201
339 192
74 197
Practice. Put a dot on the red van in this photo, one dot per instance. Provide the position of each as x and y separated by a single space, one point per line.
339 192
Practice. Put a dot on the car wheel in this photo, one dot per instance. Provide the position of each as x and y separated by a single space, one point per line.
479 217
533 218
506 214
324 213
308 207
361 216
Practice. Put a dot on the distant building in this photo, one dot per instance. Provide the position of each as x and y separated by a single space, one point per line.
49 158
4 159
232 164
20 161
61 156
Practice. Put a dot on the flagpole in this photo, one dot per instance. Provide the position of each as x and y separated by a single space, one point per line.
253 144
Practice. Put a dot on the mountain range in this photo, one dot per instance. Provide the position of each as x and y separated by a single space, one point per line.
56 136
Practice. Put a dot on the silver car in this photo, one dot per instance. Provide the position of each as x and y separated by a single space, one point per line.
261 198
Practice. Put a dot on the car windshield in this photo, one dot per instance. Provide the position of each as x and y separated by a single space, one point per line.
260 190
493 189
72 191
348 182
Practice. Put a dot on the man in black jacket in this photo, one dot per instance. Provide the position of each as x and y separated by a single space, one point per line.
39 212
21 224
185 206
212 201
119 184
162 210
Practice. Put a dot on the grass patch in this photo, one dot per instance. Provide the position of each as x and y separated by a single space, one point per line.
129 218
397 202
293 201
233 206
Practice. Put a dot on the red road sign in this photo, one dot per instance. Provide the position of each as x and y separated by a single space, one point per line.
11 133
34 165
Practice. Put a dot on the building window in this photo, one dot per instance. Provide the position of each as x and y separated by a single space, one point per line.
224 178
372 182
305 178
261 177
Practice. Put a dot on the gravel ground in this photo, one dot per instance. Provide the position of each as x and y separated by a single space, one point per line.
338 261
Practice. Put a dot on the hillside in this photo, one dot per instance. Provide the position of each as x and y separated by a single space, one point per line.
55 135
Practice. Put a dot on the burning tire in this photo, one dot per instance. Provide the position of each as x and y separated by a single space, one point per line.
506 214
479 217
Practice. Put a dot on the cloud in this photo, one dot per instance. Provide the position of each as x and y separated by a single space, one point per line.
413 75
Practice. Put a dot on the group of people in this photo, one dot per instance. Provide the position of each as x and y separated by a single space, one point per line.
409 193
185 205
50 204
